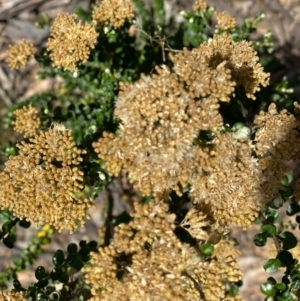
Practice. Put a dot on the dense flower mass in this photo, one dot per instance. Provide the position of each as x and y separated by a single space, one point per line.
199 5
277 134
235 186
19 54
239 59
159 124
43 184
162 115
70 41
27 121
163 140
146 261
12 296
224 20
113 12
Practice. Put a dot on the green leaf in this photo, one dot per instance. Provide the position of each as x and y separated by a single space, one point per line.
260 239
71 257
295 286
271 214
286 258
72 248
280 286
293 208
56 274
289 240
42 283
9 240
285 296
64 278
58 258
286 279
272 265
77 263
84 250
40 273
288 179
7 226
92 245
287 193
207 249
85 258
271 280
269 230
267 289
17 285
234 289
296 277
24 224
82 243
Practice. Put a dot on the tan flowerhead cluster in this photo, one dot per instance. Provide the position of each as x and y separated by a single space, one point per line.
235 186
214 274
113 12
27 121
12 296
42 183
240 59
277 134
162 115
70 41
19 54
146 261
159 123
224 20
199 5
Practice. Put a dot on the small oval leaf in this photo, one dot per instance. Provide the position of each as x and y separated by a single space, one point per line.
260 239
72 248
58 258
267 289
280 286
207 249
272 265
269 230
40 273
289 240
286 258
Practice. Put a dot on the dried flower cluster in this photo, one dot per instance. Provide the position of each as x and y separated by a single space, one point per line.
239 59
42 183
70 41
19 54
161 117
199 5
12 296
159 123
113 12
235 186
277 134
212 274
224 20
146 261
27 121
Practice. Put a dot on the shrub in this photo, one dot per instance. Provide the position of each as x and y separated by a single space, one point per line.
187 115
